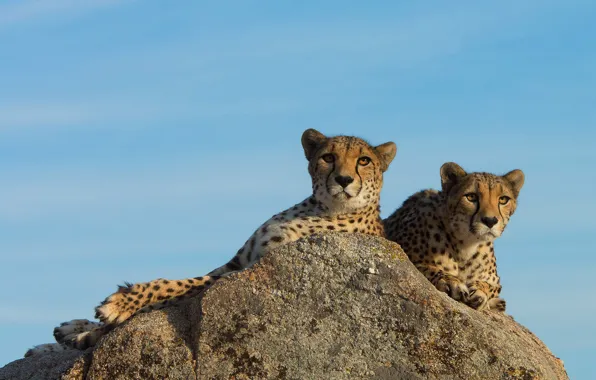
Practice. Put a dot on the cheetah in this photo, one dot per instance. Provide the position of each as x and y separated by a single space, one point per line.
347 176
449 234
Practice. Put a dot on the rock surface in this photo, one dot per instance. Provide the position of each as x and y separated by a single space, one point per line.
332 306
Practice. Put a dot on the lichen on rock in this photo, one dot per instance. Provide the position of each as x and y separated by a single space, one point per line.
330 306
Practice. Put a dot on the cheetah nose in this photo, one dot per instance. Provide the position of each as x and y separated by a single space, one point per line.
489 222
344 180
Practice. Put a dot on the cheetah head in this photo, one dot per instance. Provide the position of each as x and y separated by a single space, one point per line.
347 172
479 205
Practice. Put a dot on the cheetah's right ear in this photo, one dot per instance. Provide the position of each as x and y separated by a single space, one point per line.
311 142
451 173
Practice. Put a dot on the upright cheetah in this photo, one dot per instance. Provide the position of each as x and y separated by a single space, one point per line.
449 234
347 176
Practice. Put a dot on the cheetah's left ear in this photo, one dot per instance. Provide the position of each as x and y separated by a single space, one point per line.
516 179
311 142
386 153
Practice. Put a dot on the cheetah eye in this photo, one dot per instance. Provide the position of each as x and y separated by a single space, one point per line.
328 157
471 197
504 200
363 161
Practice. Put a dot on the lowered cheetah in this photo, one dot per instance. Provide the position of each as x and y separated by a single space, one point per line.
347 176
449 234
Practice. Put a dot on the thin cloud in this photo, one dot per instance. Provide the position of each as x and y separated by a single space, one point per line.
15 315
406 43
133 246
103 114
22 116
416 37
181 182
18 12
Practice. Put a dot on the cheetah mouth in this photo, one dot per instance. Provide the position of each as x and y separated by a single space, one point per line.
493 234
343 195
487 234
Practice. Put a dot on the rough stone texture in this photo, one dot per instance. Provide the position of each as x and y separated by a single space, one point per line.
331 306
154 346
70 365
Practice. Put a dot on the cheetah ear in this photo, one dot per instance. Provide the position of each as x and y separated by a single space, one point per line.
516 179
311 142
451 173
386 153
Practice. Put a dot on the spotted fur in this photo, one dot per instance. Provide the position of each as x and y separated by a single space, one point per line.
449 234
347 176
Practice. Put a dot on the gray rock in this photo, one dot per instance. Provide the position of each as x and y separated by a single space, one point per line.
56 365
332 306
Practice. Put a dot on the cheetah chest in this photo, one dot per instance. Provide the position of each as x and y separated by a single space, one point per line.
475 264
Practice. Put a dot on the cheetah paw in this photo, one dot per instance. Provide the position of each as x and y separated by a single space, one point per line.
86 339
497 304
477 299
455 288
67 330
118 307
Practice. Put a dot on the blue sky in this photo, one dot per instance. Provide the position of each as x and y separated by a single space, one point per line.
149 139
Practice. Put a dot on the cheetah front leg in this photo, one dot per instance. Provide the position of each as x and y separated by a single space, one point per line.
445 282
484 295
131 298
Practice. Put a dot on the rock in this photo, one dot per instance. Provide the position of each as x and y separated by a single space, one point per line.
332 306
